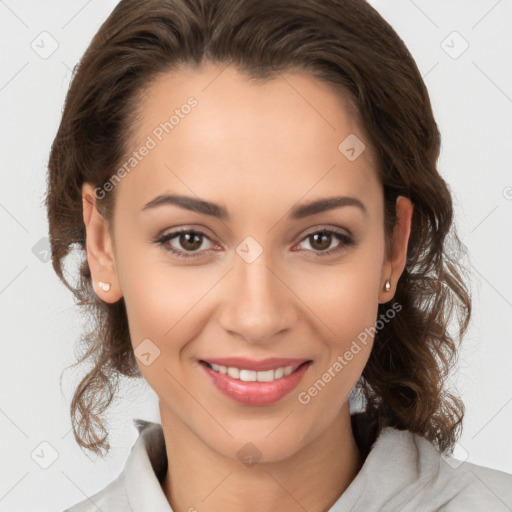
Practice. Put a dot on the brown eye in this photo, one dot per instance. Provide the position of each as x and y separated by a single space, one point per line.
321 242
190 241
184 243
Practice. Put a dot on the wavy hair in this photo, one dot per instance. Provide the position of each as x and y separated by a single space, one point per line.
343 43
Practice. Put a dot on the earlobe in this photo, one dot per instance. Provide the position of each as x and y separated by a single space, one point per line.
100 252
397 258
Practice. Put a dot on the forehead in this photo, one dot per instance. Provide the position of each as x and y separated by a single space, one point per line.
213 125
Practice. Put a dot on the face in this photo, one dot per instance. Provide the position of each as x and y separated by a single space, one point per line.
238 271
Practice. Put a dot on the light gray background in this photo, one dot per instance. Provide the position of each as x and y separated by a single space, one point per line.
472 100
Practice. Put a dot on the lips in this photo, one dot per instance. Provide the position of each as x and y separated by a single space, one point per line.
252 382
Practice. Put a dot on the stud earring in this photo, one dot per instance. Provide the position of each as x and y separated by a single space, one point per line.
387 285
104 286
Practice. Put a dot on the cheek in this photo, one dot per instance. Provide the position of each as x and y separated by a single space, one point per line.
349 308
346 297
159 299
164 304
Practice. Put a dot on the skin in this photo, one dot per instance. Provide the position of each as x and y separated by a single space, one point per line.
257 149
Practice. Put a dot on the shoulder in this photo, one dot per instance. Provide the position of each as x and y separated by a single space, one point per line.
461 485
112 498
435 481
405 472
138 485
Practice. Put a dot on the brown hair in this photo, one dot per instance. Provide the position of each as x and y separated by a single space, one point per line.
344 43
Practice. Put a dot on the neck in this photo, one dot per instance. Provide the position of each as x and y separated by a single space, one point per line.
312 478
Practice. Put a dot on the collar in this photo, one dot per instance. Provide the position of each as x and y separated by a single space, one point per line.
145 469
403 471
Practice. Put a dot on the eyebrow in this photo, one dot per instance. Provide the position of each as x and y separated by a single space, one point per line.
220 212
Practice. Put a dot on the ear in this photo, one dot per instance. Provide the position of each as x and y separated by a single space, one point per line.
397 258
100 252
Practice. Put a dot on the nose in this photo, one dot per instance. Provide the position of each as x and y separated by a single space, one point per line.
258 304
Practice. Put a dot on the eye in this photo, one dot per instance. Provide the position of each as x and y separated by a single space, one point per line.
190 240
321 242
189 243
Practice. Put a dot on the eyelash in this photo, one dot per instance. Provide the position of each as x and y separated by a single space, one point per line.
164 239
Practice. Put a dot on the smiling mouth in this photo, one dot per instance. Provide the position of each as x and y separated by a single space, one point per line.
247 375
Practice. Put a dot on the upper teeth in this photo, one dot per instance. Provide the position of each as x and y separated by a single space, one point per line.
252 376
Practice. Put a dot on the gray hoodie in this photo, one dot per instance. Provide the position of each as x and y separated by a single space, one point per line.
403 472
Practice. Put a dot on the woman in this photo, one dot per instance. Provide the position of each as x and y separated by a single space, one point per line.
265 236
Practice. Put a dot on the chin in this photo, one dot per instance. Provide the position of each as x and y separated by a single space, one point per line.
261 443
